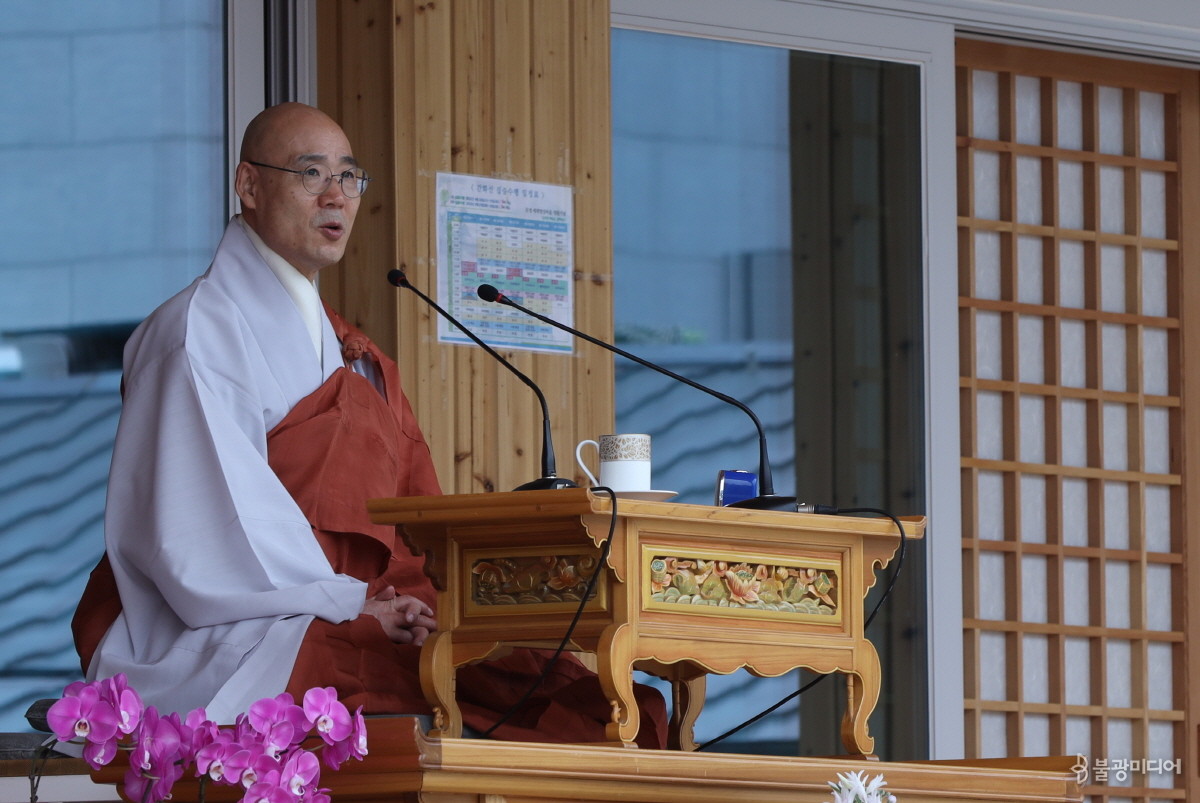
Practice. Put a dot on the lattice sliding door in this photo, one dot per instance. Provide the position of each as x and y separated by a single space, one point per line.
1078 272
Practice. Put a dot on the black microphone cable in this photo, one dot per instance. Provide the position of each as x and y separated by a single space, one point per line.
824 509
566 639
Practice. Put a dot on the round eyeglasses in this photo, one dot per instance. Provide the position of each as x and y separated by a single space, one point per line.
316 178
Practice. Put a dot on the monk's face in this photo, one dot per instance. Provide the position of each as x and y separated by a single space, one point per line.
309 231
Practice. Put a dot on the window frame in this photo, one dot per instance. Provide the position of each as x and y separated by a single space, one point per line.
929 45
250 71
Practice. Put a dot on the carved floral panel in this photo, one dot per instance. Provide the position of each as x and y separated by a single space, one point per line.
530 579
735 583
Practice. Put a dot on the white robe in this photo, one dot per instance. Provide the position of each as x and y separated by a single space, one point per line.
218 569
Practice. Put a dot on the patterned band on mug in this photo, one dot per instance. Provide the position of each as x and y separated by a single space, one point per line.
624 447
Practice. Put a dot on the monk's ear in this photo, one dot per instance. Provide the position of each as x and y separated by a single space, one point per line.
246 184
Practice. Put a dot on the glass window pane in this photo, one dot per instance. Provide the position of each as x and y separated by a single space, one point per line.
989 425
1036 741
1072 338
1029 190
753 186
1028 92
1153 204
1035 672
1116 515
986 181
1074 433
1112 278
1155 361
989 344
1112 199
1076 610
1112 122
1116 596
985 104
1033 429
993 684
1116 436
1154 282
121 108
992 523
1070 115
1159 605
1033 521
1070 195
1030 288
1158 520
993 587
987 265
1079 735
1032 367
1072 290
1112 346
1078 667
1034 593
1075 511
1151 129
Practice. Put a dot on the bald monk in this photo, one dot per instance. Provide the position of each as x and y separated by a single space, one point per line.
256 423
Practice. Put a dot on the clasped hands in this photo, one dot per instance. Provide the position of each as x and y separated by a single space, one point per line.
405 619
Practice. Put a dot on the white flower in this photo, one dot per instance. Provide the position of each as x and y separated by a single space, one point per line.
852 787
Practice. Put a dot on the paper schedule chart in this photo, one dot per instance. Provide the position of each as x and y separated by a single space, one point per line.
516 236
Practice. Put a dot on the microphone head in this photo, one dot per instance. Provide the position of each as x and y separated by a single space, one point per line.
397 277
488 293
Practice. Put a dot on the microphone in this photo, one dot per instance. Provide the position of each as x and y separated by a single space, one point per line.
548 480
767 498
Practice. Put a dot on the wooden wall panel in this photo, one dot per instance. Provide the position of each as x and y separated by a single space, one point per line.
514 89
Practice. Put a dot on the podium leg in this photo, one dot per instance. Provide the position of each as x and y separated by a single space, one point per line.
687 700
438 684
615 670
862 693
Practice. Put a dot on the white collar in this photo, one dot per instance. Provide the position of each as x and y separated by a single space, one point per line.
302 290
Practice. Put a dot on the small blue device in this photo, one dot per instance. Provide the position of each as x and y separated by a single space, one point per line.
734 485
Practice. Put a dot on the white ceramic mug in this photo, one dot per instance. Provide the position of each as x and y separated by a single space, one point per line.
624 462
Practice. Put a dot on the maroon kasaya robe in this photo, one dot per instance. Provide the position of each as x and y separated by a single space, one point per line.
334 451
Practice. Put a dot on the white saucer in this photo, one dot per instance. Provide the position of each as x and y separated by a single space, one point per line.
647 496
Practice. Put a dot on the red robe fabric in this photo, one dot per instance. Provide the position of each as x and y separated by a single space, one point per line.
341 445
333 451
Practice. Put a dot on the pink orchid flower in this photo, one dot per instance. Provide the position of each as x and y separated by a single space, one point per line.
82 714
300 771
210 759
262 751
197 732
353 746
152 786
246 765
158 742
267 793
318 796
327 713
124 700
280 721
273 710
99 754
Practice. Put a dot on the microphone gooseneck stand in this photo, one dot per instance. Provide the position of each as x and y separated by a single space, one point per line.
767 498
548 480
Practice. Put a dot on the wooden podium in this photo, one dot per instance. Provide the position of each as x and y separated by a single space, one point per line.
686 590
